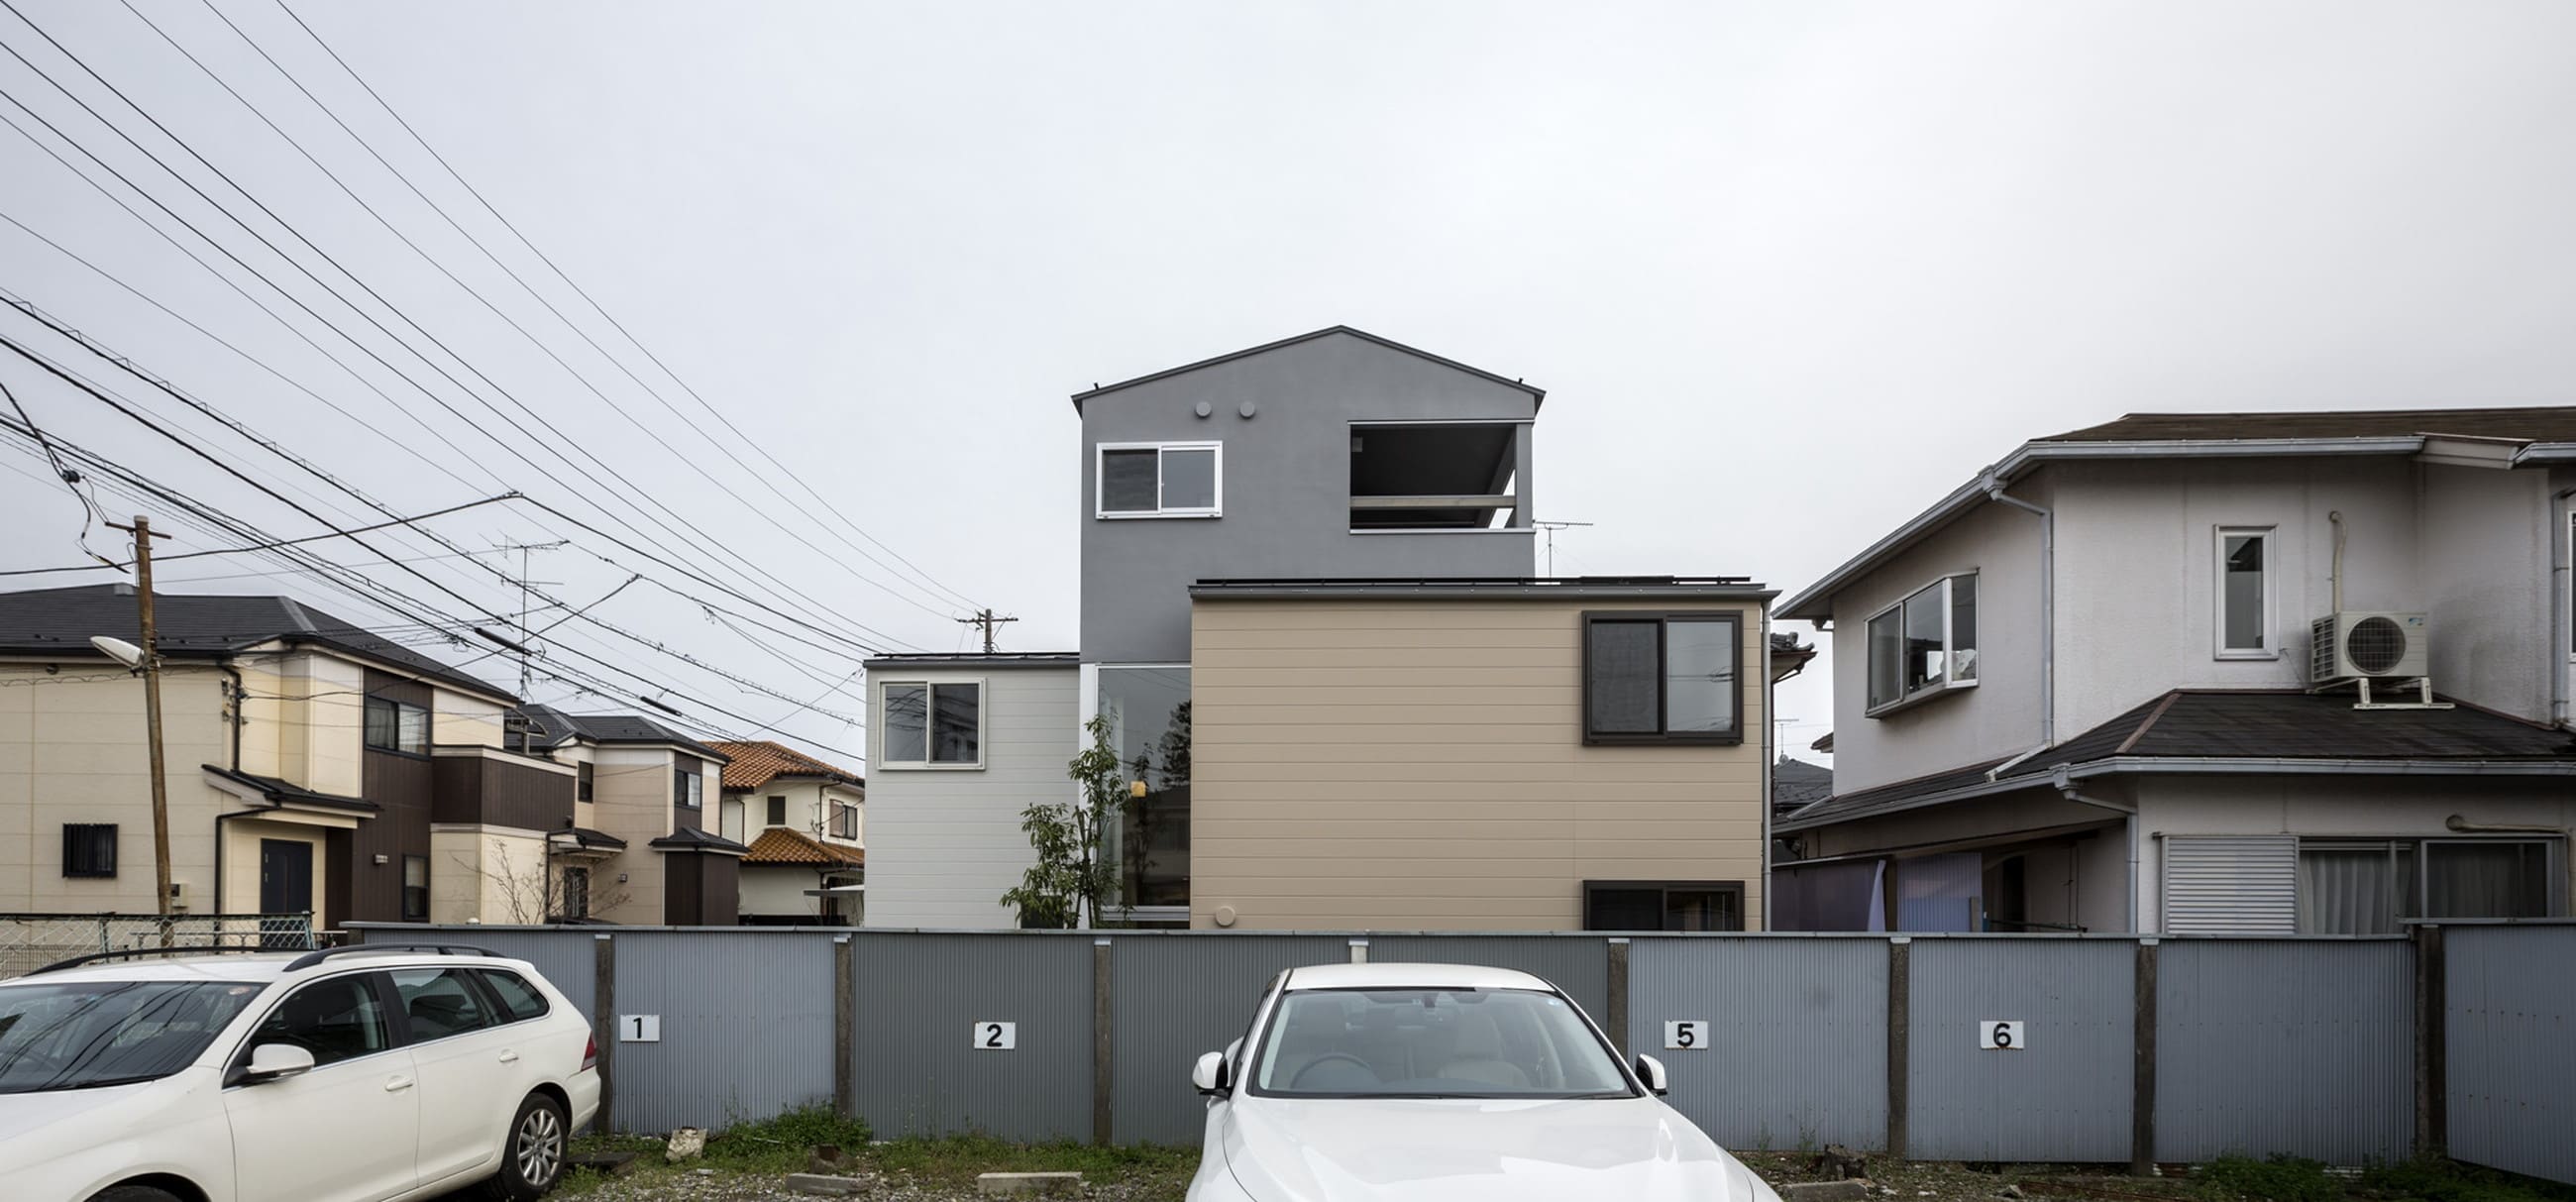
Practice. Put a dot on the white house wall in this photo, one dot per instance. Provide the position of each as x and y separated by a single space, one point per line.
2000 717
2486 552
944 844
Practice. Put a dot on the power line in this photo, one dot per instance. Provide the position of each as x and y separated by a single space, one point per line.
310 538
560 274
506 444
71 479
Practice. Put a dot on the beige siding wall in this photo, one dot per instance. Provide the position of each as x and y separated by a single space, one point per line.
242 837
459 720
491 874
1420 765
631 799
72 750
304 720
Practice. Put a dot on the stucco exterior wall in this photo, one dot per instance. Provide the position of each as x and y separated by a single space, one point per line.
459 720
1420 765
2486 564
488 874
242 837
72 750
944 844
1286 485
631 799
779 891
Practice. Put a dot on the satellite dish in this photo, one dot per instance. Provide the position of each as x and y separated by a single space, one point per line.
119 650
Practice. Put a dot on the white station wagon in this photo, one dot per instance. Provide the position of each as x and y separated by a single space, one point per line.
350 1075
1443 1083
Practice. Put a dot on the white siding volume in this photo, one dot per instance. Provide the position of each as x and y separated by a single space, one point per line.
2241 885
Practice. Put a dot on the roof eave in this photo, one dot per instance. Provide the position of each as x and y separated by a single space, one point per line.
1815 602
1538 396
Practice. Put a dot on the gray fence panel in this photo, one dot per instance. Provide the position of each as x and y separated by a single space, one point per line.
2510 1019
2301 1048
1795 1053
1577 964
2067 1094
746 1026
919 997
562 956
1177 997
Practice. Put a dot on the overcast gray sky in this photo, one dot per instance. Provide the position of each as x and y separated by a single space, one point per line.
1788 270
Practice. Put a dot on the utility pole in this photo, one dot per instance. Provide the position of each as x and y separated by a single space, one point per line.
143 536
1552 528
987 620
525 644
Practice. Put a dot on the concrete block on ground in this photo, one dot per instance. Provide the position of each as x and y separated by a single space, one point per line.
826 1185
1028 1183
1825 1191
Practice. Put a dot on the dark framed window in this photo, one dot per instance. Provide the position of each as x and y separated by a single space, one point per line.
777 811
1663 905
688 788
582 779
89 849
518 1000
397 726
1663 677
415 889
439 1002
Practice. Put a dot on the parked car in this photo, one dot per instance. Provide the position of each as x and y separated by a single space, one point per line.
359 1073
1431 1082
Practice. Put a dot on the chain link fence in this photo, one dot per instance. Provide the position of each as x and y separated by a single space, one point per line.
31 941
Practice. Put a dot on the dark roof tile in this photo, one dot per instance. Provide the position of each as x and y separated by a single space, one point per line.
2520 425
198 626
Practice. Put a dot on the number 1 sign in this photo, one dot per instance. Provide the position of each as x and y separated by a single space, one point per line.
639 1028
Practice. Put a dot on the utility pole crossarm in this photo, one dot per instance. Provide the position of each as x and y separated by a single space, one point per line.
989 622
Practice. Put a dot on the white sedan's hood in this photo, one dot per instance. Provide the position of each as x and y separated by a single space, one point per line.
1458 1150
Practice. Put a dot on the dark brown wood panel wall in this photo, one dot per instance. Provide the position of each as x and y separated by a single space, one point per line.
496 792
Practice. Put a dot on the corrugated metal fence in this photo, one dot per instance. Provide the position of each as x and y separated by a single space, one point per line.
2118 1049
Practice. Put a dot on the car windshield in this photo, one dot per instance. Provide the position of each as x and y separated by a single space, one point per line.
87 1034
1433 1043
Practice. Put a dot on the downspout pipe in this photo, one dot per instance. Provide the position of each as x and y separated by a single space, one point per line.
2562 578
2066 788
2047 604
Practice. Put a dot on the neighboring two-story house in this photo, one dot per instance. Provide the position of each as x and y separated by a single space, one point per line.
637 849
312 767
1342 700
2208 673
803 821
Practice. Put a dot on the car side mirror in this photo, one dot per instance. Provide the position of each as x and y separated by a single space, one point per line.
1213 1076
1651 1071
276 1061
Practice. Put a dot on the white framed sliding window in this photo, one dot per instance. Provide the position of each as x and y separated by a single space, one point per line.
1924 646
2242 592
1159 480
930 724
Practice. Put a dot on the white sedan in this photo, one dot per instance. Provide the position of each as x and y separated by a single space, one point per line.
354 1075
1434 1082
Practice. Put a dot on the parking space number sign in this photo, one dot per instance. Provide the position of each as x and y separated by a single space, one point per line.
2000 1034
993 1036
639 1028
1686 1035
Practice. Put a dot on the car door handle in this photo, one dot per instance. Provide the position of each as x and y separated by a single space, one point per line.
397 1084
509 1057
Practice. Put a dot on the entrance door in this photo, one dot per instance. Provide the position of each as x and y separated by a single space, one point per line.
285 876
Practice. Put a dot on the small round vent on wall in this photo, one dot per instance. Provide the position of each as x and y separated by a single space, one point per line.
2375 645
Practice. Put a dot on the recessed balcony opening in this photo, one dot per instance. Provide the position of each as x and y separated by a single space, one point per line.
1436 476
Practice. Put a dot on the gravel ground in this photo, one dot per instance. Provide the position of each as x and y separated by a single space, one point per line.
717 1185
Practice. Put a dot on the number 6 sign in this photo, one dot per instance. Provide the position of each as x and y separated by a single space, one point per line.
1686 1035
2000 1034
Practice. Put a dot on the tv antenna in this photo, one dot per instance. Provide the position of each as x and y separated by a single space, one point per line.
1552 528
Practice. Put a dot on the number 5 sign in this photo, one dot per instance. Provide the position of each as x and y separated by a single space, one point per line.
2000 1034
1686 1035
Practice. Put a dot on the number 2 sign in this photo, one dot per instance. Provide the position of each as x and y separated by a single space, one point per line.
1686 1035
996 1037
2000 1034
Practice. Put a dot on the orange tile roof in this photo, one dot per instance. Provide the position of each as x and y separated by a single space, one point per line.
783 845
756 763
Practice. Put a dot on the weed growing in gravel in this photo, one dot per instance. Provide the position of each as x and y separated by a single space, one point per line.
2436 1180
2280 1179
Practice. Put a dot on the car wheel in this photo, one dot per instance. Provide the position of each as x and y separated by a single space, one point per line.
532 1156
133 1193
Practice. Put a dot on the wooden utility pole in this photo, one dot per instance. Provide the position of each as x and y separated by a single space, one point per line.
989 621
151 667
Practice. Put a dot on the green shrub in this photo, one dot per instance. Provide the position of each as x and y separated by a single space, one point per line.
2435 1180
2279 1179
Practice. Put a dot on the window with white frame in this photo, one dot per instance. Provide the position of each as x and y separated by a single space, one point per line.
933 724
2244 593
1924 645
1160 479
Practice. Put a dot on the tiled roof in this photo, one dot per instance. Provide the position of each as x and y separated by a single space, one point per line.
1797 783
197 626
784 845
2233 724
2519 425
758 762
553 728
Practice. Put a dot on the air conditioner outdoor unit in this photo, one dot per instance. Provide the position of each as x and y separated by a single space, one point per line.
2368 646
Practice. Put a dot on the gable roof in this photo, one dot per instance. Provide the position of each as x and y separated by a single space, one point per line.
61 621
758 762
1796 784
1538 396
552 727
781 845
2518 437
2249 731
